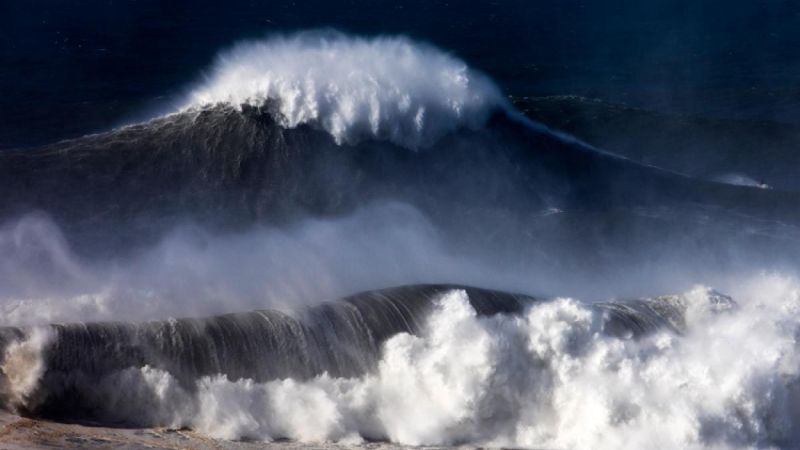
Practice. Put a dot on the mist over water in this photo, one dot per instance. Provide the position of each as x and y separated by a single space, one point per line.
306 168
193 272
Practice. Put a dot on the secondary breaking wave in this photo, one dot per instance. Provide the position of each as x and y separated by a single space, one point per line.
340 339
481 367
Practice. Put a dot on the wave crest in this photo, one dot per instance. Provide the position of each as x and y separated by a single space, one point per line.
354 88
550 376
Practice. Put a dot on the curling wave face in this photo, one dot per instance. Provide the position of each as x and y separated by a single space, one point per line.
354 88
276 135
441 365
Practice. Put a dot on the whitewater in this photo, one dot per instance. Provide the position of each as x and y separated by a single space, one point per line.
289 253
548 378
382 88
551 377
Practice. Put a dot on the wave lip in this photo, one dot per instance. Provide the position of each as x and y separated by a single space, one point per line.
448 365
54 370
354 88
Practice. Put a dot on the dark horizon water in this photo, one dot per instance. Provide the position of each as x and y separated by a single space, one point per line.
68 69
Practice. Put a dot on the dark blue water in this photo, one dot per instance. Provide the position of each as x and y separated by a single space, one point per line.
70 68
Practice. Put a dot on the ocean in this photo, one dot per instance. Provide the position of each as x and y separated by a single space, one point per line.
388 224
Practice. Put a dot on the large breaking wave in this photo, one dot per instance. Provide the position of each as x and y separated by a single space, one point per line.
309 167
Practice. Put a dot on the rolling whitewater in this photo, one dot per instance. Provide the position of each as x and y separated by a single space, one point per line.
353 241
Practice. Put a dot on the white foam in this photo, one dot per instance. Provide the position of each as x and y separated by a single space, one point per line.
546 379
738 179
385 87
23 366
